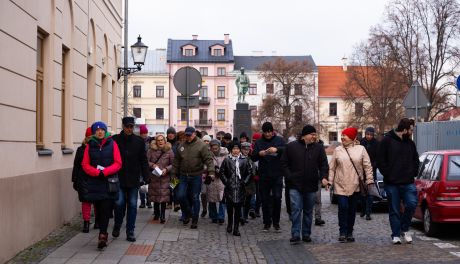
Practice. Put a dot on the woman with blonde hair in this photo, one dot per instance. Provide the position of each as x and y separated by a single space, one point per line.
348 164
160 157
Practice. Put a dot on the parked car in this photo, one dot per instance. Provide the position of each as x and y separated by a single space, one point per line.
438 189
377 201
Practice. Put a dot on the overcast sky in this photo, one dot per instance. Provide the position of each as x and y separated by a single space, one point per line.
327 29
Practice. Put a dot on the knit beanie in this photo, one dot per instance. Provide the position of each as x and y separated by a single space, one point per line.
143 129
214 142
206 138
267 127
234 144
308 129
256 136
171 130
98 124
350 132
370 130
89 132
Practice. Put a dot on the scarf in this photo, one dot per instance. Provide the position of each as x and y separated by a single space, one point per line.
237 164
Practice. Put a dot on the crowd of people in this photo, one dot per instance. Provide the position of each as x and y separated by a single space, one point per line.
237 176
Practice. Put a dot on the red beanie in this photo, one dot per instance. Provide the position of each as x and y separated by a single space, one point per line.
351 132
88 132
143 129
256 136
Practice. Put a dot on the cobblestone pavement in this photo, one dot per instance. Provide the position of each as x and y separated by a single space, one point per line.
175 243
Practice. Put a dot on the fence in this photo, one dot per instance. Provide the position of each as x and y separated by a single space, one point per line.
438 136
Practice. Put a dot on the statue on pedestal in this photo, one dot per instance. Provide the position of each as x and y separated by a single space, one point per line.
242 83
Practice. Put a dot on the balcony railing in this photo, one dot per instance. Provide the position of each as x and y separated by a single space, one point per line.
203 123
204 101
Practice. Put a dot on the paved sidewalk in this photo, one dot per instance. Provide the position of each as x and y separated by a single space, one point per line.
174 243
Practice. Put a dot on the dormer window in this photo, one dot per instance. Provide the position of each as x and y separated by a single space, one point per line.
217 50
189 50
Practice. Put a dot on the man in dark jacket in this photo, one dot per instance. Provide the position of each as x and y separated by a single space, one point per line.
189 164
268 151
304 163
134 164
398 161
371 144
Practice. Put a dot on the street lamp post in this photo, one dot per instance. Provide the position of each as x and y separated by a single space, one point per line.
138 52
336 119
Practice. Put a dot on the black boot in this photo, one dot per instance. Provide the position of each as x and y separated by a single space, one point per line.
162 213
236 231
85 227
229 225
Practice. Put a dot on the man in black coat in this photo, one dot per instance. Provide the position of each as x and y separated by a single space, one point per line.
268 151
371 144
398 161
304 162
134 165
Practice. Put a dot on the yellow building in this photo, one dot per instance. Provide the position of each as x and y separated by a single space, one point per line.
58 66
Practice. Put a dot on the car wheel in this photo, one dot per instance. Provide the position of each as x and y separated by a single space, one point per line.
332 196
429 227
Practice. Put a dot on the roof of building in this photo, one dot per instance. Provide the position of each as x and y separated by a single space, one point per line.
203 53
331 80
251 63
155 62
452 114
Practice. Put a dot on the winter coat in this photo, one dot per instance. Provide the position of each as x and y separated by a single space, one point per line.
215 190
250 187
342 174
235 186
159 191
269 165
104 153
371 148
78 175
397 159
304 165
191 158
132 150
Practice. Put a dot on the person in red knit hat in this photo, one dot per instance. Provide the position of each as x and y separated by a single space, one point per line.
348 163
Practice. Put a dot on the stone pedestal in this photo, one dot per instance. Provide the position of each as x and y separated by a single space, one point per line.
242 121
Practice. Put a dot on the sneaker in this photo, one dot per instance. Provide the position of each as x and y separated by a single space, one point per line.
319 222
186 220
116 232
130 237
396 241
368 217
176 208
407 237
277 227
194 224
350 238
149 206
266 228
142 205
294 240
306 239
342 238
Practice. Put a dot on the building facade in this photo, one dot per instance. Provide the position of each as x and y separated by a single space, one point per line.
259 89
58 65
148 93
214 59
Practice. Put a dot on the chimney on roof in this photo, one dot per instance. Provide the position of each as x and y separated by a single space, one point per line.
194 37
226 39
344 63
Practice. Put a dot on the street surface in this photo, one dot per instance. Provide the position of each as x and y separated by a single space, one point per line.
174 243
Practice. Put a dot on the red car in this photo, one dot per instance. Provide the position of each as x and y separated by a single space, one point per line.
438 189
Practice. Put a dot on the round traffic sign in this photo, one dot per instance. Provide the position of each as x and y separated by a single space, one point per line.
187 80
458 82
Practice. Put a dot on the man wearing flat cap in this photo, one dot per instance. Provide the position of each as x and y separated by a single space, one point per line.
304 163
188 165
134 165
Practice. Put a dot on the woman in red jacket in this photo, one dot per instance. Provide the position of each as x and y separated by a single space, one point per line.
101 162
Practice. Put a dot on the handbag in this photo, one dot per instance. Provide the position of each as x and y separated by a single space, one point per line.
114 184
365 189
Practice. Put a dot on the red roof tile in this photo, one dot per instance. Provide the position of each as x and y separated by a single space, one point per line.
331 80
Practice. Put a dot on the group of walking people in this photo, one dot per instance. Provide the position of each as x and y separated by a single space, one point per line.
239 176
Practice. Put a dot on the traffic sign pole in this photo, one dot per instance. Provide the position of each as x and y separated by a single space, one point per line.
186 99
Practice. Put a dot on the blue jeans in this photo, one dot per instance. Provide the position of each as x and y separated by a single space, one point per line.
400 222
127 201
301 204
213 214
189 195
366 204
347 213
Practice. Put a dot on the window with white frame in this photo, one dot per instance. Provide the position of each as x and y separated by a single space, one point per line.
220 114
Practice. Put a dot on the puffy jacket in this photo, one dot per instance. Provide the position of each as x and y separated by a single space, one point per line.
371 148
159 191
304 165
234 185
132 151
397 159
104 153
269 165
343 175
191 158
215 190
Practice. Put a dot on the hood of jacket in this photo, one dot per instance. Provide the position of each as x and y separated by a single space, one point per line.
166 148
